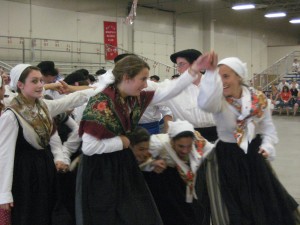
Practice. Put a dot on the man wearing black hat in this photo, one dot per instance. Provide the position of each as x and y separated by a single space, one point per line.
50 74
184 106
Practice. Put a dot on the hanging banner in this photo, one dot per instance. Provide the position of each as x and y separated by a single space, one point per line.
110 40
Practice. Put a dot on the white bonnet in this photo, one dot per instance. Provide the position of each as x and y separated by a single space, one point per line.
15 74
178 127
237 65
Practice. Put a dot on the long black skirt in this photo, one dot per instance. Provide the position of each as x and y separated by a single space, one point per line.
34 184
114 191
169 192
249 188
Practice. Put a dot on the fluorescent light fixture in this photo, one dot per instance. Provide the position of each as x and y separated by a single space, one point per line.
296 20
275 14
243 6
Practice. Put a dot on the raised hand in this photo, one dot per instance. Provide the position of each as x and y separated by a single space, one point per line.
207 61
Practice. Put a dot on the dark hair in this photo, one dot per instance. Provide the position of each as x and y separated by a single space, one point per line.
100 72
84 71
25 74
155 77
77 76
92 78
175 76
184 134
139 135
286 88
130 65
122 56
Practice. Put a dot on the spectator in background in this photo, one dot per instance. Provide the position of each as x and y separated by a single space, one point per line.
285 97
274 98
294 92
295 66
282 84
2 91
296 106
155 78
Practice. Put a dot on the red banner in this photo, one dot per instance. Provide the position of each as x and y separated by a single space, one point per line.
110 40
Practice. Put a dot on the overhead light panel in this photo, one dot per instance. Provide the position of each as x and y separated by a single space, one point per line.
243 6
275 14
296 20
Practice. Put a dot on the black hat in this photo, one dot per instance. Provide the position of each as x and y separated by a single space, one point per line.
121 56
48 68
75 77
189 54
100 72
155 77
84 71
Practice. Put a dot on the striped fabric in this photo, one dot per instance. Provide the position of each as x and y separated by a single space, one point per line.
218 208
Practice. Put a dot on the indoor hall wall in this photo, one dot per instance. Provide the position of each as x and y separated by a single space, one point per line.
242 34
50 23
189 32
277 52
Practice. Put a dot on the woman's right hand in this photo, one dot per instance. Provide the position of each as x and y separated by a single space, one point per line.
125 141
7 206
208 61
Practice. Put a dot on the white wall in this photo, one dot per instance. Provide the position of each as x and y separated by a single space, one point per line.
153 34
276 53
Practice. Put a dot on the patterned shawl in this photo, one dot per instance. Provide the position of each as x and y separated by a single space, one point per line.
258 105
108 115
39 119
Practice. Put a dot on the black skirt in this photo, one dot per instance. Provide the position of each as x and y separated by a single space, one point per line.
250 189
34 184
169 192
114 191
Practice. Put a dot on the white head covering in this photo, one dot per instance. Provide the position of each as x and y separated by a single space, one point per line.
178 127
237 65
15 74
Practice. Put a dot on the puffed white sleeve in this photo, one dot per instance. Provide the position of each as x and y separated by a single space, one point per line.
269 134
211 92
71 145
8 139
156 146
69 101
92 145
170 88
165 111
56 147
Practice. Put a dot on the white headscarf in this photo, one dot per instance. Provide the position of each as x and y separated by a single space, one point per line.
15 74
237 65
178 127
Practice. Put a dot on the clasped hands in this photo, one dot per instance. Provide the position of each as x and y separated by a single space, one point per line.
207 61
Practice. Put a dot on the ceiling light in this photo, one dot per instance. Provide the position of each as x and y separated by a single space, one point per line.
275 14
296 20
243 6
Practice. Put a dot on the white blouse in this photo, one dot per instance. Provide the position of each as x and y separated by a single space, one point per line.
9 132
163 91
211 99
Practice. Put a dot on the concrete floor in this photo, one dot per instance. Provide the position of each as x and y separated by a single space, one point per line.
287 162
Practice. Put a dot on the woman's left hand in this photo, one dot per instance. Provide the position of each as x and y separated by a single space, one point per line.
263 152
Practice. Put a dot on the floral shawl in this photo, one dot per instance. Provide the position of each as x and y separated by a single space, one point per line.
251 108
108 115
